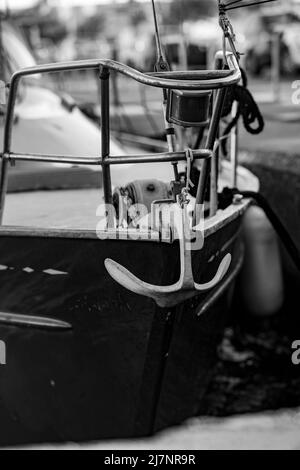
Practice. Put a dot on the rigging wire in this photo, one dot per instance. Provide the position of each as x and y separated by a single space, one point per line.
162 65
4 15
232 3
184 42
159 49
227 6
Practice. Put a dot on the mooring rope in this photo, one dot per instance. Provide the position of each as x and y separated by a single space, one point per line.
226 198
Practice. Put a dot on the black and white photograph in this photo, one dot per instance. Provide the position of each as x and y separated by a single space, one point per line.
150 227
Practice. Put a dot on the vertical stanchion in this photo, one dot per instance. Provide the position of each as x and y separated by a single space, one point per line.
3 185
214 183
3 162
234 144
114 78
276 42
105 133
211 138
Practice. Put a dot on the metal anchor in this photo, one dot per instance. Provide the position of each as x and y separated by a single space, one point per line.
185 288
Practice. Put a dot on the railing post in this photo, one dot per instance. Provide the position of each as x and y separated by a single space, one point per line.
105 133
234 147
3 185
211 138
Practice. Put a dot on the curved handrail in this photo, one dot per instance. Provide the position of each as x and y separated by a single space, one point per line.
189 80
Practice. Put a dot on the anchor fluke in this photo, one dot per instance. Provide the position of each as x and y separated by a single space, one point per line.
222 271
164 296
185 288
128 280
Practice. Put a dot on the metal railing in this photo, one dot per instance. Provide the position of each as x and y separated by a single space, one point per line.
194 80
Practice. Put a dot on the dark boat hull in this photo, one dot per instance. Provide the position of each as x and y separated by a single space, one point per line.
127 367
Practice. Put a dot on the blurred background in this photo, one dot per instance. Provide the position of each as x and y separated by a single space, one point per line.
43 31
80 29
46 31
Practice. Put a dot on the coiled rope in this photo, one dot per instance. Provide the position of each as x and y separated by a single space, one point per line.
247 109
